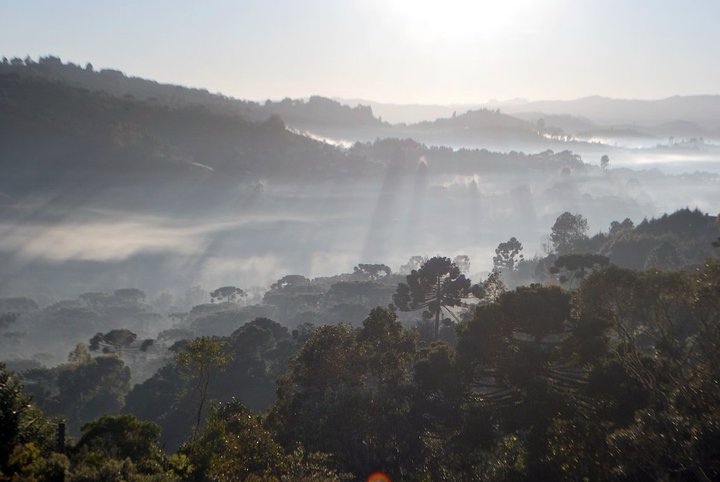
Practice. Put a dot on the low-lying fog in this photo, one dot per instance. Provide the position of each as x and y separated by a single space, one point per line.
267 230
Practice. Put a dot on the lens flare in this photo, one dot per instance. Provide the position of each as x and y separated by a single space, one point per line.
378 477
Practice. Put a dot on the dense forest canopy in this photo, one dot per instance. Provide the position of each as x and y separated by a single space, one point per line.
568 365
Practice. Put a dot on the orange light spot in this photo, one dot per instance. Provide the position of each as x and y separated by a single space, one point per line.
378 477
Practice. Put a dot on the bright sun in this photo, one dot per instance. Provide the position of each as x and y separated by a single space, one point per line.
460 20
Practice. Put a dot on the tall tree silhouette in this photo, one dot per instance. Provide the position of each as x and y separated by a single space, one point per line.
436 285
567 231
201 358
507 254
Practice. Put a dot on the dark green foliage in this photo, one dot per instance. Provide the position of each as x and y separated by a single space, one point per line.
674 241
678 241
151 399
123 448
233 445
236 446
439 386
614 380
544 385
81 390
573 268
536 310
258 353
20 420
199 360
28 462
343 392
92 389
120 437
684 223
28 436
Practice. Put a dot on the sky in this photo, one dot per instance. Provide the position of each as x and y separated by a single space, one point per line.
402 51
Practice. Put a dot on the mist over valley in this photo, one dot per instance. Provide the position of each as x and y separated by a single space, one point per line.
159 187
371 275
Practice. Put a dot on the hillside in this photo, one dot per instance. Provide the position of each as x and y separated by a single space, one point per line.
103 140
476 125
317 115
101 129
118 84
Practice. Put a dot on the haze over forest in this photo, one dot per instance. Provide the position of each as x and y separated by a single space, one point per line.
179 177
306 262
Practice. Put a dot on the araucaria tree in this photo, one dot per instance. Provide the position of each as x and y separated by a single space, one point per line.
507 254
114 341
436 285
372 271
227 293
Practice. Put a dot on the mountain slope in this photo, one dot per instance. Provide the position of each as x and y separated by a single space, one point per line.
316 115
65 138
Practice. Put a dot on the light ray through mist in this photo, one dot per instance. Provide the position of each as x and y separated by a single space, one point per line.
379 237
416 219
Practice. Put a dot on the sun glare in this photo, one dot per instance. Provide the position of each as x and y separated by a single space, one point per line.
460 20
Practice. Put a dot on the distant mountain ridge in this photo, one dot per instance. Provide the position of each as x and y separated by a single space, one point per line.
317 116
396 113
703 110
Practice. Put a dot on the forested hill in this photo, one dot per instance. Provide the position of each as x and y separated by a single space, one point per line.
319 115
73 140
116 83
54 133
298 113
